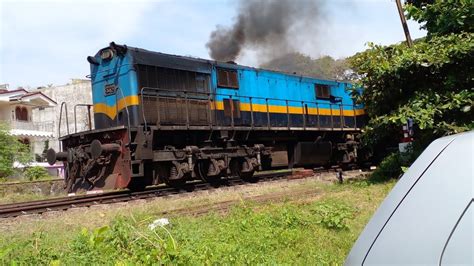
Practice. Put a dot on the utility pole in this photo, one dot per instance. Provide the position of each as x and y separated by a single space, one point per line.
404 23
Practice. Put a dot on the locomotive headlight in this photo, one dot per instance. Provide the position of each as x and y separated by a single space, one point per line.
106 54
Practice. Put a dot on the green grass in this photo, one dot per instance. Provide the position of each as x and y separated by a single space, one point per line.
29 190
314 230
22 197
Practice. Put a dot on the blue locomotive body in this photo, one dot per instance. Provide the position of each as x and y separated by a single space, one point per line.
284 100
236 95
166 118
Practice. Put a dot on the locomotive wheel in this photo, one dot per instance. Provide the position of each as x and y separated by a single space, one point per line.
236 166
167 170
202 168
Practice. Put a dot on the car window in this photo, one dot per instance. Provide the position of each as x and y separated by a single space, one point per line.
417 231
460 245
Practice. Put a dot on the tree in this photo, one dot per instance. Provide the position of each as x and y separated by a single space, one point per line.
432 82
442 17
324 67
11 150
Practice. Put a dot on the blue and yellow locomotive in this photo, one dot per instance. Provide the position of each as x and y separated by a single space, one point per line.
166 118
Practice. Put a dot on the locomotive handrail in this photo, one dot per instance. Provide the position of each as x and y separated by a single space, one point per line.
268 113
251 113
187 108
210 97
287 115
331 107
221 94
303 110
126 110
93 75
63 104
88 115
141 100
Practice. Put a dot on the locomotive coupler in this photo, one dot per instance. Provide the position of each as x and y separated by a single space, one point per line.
53 156
98 148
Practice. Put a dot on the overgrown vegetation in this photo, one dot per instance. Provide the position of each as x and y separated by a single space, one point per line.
11 150
36 173
319 230
324 67
333 215
431 82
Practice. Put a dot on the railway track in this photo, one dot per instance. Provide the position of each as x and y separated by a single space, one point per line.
64 203
21 183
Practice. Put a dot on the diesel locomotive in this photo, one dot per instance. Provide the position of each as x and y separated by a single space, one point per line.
163 118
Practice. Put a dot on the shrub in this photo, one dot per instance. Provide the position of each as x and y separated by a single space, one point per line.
395 164
332 215
36 173
11 150
124 240
390 167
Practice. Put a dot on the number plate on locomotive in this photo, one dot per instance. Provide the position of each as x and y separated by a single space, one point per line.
110 89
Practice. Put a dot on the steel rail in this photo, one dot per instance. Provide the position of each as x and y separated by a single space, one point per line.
33 182
64 203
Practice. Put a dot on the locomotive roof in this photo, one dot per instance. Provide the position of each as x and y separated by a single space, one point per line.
146 57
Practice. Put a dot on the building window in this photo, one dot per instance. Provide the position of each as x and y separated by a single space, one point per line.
322 91
21 113
227 78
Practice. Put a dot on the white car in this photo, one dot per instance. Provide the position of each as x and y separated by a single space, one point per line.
428 217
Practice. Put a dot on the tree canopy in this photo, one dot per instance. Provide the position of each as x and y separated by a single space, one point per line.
442 17
431 82
11 150
324 67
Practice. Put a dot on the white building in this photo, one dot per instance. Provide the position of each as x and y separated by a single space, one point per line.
78 92
16 110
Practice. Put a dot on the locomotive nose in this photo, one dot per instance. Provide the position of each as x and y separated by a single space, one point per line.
96 149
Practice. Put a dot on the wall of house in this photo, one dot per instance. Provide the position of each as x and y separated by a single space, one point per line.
5 111
8 116
79 91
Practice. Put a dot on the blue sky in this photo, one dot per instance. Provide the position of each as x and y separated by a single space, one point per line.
47 42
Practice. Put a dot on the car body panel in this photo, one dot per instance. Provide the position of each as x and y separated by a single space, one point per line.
461 241
413 223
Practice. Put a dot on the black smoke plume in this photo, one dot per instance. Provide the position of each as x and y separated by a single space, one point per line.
270 27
